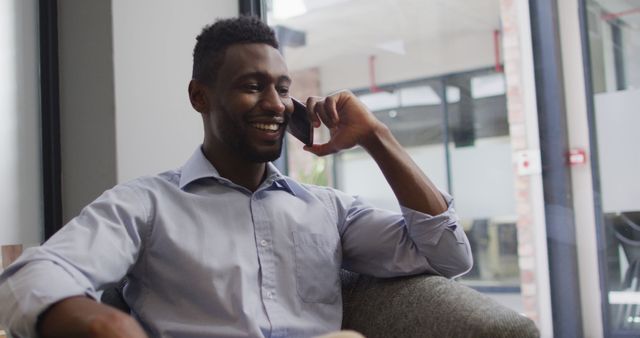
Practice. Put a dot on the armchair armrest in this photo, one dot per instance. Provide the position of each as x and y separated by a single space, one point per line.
426 306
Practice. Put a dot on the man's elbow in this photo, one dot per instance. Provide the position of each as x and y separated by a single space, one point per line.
455 265
466 263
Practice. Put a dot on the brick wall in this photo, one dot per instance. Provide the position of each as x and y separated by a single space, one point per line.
516 106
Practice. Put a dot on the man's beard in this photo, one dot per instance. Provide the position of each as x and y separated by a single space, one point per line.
254 155
235 136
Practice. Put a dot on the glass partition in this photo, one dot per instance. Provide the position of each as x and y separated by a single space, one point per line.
428 70
482 178
614 39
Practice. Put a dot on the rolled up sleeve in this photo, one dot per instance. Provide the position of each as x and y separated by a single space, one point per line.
440 239
30 291
92 251
383 243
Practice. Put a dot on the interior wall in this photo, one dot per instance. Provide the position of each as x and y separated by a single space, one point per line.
87 119
156 127
20 167
124 110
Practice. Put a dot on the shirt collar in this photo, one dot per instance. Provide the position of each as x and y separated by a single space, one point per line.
198 167
281 181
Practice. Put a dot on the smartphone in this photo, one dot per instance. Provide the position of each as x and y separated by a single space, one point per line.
299 124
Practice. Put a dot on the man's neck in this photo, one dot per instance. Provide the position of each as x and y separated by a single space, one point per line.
243 173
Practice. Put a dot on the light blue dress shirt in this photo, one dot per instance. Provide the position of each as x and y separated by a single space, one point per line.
205 257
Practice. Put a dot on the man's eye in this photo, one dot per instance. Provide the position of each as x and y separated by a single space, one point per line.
284 91
253 87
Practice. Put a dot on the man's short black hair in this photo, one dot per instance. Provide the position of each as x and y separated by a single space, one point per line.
214 40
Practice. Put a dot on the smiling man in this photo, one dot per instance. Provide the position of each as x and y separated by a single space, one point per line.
227 246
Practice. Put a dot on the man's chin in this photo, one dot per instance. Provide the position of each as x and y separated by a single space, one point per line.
265 159
262 156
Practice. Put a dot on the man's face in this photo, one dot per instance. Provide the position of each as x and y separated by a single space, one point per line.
250 103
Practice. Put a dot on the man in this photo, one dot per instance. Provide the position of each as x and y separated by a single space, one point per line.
226 246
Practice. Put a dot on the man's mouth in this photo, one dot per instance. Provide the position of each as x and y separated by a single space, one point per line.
267 126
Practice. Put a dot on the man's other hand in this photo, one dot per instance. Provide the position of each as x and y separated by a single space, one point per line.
83 317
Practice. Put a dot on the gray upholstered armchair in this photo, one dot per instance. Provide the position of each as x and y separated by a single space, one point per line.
426 306
418 306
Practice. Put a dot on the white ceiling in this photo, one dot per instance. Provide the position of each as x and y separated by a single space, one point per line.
337 28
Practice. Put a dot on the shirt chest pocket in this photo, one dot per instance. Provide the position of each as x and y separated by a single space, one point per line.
317 267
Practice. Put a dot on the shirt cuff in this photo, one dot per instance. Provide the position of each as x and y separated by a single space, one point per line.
40 285
428 229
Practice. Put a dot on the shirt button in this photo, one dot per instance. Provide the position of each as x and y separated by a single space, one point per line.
270 295
264 242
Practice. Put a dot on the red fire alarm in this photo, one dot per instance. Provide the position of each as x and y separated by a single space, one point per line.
576 156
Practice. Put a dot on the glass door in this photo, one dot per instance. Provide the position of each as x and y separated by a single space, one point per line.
614 41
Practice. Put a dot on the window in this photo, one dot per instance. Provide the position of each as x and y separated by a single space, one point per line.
614 38
427 69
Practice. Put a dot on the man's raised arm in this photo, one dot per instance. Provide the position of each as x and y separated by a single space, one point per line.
350 124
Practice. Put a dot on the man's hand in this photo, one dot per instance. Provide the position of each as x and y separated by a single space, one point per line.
83 317
351 124
349 121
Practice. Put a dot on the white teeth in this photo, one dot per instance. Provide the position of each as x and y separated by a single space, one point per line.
266 126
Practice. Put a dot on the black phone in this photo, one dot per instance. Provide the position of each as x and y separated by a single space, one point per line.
299 124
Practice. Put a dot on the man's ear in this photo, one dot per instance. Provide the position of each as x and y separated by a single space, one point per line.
198 96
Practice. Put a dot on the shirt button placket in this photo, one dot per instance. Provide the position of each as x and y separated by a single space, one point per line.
265 253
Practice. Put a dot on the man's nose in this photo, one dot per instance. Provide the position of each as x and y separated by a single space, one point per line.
271 101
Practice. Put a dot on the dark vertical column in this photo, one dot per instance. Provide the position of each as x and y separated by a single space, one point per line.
445 132
253 8
463 131
618 53
561 238
50 109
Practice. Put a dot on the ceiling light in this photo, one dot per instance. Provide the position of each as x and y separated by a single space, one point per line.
286 9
